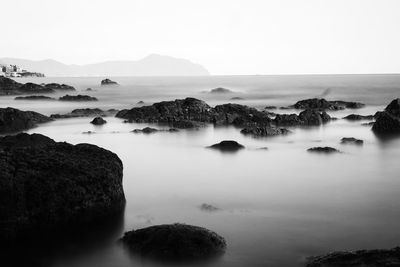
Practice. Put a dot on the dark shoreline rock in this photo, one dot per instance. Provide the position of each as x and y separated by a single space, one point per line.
175 243
34 97
14 120
357 117
323 104
98 121
326 150
10 87
47 184
388 121
108 82
77 98
227 145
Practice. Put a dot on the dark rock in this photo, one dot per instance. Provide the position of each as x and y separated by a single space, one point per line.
307 117
327 150
8 86
34 97
175 242
33 88
60 87
351 140
14 120
89 89
356 117
98 121
140 102
322 104
11 87
220 90
45 184
186 124
347 104
368 123
261 131
108 82
146 130
388 121
239 115
270 107
89 132
227 145
84 112
77 98
360 258
208 207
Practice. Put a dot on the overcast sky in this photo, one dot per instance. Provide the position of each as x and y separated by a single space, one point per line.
225 36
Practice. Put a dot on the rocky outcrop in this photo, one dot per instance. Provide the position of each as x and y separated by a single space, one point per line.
85 112
81 98
271 107
307 117
220 90
264 131
98 121
59 87
323 104
33 88
326 150
11 87
45 184
388 121
186 124
357 117
175 242
108 82
34 97
149 130
351 140
227 145
360 258
14 120
239 115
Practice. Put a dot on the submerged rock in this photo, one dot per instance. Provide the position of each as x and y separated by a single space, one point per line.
263 131
108 82
360 258
175 243
14 120
46 184
34 97
388 121
327 150
77 98
98 121
227 145
356 117
351 140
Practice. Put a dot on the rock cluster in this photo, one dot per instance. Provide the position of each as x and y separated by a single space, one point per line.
11 87
357 117
14 120
308 117
323 104
85 112
266 130
388 121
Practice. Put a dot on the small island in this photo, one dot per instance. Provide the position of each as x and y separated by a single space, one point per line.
108 82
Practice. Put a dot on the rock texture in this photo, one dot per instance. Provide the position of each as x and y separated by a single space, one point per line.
388 121
351 140
356 117
98 121
14 120
77 98
264 131
323 104
34 97
10 87
227 145
308 117
360 258
175 242
45 184
108 82
85 112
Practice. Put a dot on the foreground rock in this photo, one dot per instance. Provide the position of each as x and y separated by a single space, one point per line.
356 117
360 258
45 184
326 150
11 87
351 140
85 112
323 104
108 82
264 131
308 117
227 145
34 97
77 98
14 120
388 121
175 242
98 121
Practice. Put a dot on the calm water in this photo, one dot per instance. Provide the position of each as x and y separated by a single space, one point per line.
277 206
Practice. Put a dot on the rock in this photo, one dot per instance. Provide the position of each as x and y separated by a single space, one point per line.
208 207
186 124
322 104
308 117
8 86
237 98
263 131
11 87
388 121
352 140
239 115
33 88
227 145
60 87
89 89
45 184
14 120
146 130
220 90
271 107
108 82
347 104
368 123
34 97
77 98
360 258
356 117
98 121
89 132
175 243
85 112
140 102
327 150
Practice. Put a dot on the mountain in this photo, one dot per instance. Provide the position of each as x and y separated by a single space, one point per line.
152 65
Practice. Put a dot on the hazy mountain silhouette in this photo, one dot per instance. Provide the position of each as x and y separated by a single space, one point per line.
152 65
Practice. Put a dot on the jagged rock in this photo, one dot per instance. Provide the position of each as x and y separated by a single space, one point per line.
45 184
266 130
108 82
175 242
239 115
360 258
351 140
34 97
14 120
77 98
307 117
327 150
388 121
323 104
356 117
85 112
98 121
227 145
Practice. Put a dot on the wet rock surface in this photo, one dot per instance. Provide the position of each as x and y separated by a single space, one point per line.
325 150
227 145
351 140
77 98
108 82
13 120
175 243
388 121
46 184
360 258
34 97
98 121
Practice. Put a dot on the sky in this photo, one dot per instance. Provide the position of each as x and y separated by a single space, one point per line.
228 37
